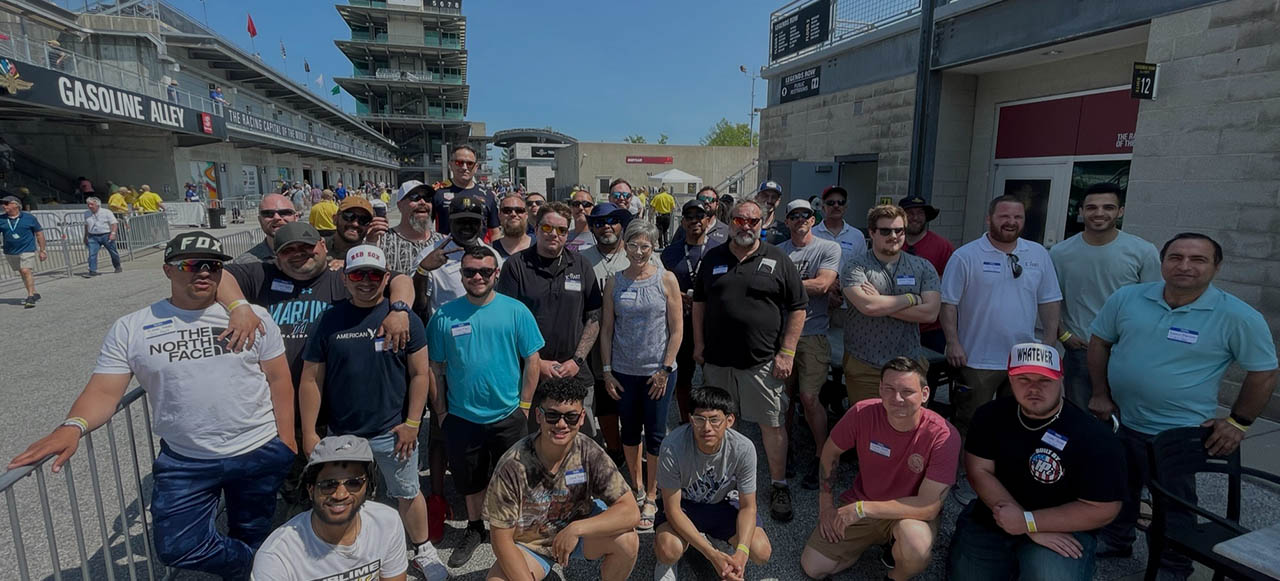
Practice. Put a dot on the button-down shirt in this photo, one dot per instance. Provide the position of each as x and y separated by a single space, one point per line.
852 242
99 222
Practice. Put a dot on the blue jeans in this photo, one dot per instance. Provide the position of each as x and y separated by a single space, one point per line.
184 506
1075 377
401 476
96 241
638 410
982 552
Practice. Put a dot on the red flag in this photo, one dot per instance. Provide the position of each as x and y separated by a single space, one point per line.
253 30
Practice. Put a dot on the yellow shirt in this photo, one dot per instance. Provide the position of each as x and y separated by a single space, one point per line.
664 203
148 203
130 197
117 204
322 215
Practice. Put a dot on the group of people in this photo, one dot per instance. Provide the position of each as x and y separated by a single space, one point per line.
543 342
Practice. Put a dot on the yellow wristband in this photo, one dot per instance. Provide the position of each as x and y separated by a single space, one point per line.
1031 521
413 423
911 299
745 551
1237 425
859 508
524 405
787 352
423 272
78 422
236 304
1064 336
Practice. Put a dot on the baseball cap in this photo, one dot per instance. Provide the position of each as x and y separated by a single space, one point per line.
195 244
347 448
1035 358
834 190
693 205
8 199
769 185
799 205
408 187
355 202
930 212
296 232
466 206
366 256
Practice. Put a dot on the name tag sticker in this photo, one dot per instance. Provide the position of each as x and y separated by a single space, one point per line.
846 243
905 280
991 266
378 344
629 295
460 329
158 328
1183 335
723 268
766 265
575 476
880 449
282 286
1054 439
573 285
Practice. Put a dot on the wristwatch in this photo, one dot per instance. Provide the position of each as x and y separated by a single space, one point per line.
400 306
579 361
669 369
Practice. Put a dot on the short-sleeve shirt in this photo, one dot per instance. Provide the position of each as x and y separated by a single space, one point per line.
706 478
366 384
898 461
934 248
322 214
717 233
580 241
851 240
444 284
1167 364
401 251
483 347
149 203
538 504
206 400
260 252
19 233
559 292
995 310
99 222
683 261
746 304
663 203
818 255
293 552
1088 274
1075 457
445 196
876 340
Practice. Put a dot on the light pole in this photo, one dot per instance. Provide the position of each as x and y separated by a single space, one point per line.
751 115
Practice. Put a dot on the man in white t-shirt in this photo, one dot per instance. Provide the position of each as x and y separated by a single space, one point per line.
341 537
224 417
993 289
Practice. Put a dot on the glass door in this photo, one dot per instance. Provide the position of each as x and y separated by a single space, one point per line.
1045 189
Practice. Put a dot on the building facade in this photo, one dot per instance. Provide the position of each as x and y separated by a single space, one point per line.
594 165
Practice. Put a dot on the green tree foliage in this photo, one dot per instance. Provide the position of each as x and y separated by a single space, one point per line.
727 133
634 139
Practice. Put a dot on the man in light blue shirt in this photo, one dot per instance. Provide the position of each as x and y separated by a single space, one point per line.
1091 265
1157 357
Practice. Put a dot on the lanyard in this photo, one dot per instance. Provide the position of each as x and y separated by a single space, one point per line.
13 225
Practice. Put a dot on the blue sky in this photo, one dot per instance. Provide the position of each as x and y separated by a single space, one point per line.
597 70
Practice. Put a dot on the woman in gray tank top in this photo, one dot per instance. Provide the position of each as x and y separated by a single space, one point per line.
639 338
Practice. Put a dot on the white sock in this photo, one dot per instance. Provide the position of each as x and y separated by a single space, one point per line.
782 482
662 572
426 548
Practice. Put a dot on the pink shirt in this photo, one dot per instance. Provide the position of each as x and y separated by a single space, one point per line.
895 463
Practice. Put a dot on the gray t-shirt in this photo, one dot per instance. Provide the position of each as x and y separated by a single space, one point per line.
293 552
818 254
1089 274
706 478
876 340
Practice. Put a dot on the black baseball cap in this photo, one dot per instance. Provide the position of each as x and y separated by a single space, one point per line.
194 245
296 232
693 205
467 206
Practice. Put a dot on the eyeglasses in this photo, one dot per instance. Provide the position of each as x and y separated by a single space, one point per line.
370 275
553 417
197 265
484 272
800 216
834 203
512 210
695 217
535 202
284 213
746 222
464 163
636 247
581 203
418 197
548 229
330 486
357 217
620 195
890 231
1013 264
704 420
606 221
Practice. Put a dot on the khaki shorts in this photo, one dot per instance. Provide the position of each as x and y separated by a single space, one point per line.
862 380
812 364
759 396
25 260
857 537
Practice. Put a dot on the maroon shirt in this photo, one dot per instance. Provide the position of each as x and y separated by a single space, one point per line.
937 250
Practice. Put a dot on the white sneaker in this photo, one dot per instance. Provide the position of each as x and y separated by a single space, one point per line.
427 560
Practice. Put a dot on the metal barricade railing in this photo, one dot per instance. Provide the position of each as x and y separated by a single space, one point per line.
120 546
240 242
143 231
240 209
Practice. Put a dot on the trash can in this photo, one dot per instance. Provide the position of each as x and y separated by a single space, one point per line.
217 218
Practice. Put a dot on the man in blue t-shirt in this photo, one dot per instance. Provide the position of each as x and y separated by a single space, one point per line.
340 192
484 353
22 238
372 391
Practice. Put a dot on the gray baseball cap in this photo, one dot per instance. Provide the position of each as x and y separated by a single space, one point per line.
346 448
296 232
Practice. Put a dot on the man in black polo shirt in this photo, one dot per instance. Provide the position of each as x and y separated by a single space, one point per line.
463 168
748 311
561 290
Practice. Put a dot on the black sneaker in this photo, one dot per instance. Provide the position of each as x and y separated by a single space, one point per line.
34 297
119 270
780 504
886 555
810 481
462 553
29 302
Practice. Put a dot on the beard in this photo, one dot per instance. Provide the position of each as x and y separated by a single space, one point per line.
746 238
1000 235
420 224
915 229
608 238
344 519
513 228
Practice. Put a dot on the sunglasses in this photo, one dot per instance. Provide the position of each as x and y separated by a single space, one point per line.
835 203
706 199
620 195
1013 265
370 275
548 229
357 217
747 222
418 197
273 213
704 420
890 231
512 210
800 216
484 272
581 204
636 247
606 221
464 163
197 265
330 486
695 217
535 202
553 417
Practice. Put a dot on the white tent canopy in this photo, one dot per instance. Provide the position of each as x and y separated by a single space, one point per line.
674 176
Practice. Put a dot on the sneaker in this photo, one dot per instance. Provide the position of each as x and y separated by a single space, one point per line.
427 561
89 274
438 511
780 504
29 302
462 553
35 297
810 481
886 555
119 270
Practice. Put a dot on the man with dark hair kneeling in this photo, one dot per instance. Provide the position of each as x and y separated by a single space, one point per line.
699 464
556 495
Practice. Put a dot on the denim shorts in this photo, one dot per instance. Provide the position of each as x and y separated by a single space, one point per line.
401 476
577 554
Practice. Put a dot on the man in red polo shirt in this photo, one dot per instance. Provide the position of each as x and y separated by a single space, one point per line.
925 243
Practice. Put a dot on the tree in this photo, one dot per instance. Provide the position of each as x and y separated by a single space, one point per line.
726 133
634 139
508 157
662 138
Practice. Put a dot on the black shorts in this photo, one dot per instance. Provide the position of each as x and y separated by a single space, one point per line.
718 521
474 449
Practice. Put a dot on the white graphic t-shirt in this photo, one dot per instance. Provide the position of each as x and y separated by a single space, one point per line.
206 401
293 552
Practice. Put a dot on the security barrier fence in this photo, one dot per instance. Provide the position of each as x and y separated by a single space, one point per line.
65 242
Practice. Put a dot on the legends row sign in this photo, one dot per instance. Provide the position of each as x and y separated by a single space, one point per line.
806 27
800 85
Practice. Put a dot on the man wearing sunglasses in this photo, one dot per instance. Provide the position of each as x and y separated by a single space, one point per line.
372 392
274 211
717 230
620 195
438 267
415 231
556 496
835 200
341 534
515 226
463 167
773 230
355 223
536 202
682 257
993 290
580 237
225 418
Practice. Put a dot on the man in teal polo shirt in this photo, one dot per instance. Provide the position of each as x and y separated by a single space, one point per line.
1156 359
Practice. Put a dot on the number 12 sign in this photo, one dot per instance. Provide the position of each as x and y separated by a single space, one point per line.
1145 76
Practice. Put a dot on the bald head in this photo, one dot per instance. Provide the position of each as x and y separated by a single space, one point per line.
274 211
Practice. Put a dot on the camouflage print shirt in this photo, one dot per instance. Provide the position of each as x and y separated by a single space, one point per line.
524 496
